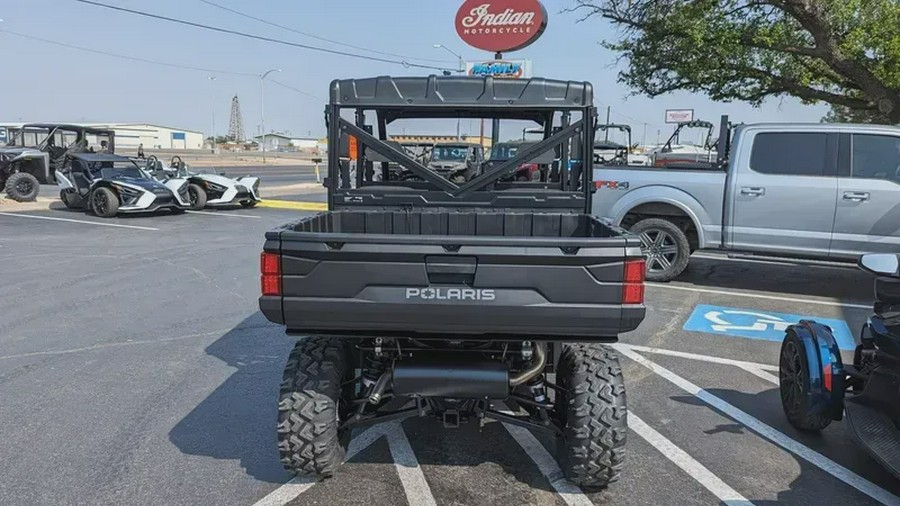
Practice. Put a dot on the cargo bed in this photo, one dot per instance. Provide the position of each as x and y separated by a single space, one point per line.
473 275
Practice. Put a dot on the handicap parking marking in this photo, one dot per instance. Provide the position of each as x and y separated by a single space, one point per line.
762 325
755 324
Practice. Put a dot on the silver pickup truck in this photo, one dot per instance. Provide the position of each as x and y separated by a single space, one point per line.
815 191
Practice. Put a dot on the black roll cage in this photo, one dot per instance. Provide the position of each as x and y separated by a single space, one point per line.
391 99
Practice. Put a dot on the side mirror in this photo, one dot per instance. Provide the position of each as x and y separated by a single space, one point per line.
881 264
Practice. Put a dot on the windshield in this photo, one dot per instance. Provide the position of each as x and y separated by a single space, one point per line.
449 153
116 170
504 151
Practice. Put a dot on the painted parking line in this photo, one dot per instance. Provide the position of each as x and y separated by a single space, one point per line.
833 303
69 220
755 368
224 215
760 325
813 457
290 204
688 464
410 472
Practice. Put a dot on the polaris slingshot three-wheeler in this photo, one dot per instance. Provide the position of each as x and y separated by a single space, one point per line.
817 387
109 184
466 301
205 189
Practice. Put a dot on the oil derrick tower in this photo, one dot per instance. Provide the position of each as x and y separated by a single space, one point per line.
236 123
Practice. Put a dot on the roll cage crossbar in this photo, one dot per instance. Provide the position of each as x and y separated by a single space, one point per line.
539 100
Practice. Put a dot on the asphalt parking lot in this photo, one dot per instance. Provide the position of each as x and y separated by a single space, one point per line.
135 368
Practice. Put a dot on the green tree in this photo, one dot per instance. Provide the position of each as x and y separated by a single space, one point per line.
845 53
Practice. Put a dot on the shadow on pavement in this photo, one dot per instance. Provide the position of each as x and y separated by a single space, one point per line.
835 443
237 420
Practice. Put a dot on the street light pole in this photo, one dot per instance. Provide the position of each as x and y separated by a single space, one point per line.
460 69
262 108
213 143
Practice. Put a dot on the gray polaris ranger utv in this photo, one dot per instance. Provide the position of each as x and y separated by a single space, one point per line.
467 301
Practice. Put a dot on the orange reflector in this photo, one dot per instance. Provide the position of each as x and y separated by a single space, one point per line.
826 376
633 288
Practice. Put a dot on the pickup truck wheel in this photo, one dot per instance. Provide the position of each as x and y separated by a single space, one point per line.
310 406
592 413
665 247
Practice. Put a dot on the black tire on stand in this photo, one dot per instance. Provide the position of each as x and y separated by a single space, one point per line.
793 376
104 202
310 407
22 187
665 247
592 412
197 196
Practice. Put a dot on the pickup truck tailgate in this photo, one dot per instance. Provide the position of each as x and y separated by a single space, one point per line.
475 275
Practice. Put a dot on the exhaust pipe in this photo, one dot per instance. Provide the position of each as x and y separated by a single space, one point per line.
540 360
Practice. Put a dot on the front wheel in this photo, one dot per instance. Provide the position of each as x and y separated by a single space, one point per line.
197 196
591 410
22 187
68 199
793 382
247 204
104 202
665 248
311 406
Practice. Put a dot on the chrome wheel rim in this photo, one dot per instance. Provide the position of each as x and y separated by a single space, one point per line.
659 249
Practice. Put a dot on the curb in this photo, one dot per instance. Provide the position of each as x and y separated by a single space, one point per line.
290 204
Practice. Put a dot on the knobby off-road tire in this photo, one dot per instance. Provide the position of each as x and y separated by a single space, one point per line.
22 187
309 441
593 415
793 375
665 247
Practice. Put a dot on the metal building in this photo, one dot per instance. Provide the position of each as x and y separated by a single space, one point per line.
130 135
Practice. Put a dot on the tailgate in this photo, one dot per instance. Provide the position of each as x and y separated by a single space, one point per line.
497 287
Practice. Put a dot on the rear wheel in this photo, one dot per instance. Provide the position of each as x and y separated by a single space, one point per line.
197 196
104 202
793 375
665 247
22 187
311 407
591 410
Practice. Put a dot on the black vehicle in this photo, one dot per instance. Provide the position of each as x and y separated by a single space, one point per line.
109 184
451 299
818 388
36 150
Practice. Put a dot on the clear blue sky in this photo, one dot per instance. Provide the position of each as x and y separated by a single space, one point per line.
43 82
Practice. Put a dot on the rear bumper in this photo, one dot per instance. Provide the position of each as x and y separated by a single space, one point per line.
361 318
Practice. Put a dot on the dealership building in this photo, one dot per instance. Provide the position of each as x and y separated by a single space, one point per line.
130 135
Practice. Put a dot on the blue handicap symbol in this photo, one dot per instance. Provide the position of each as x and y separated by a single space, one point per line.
756 324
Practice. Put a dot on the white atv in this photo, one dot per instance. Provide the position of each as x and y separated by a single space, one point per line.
207 189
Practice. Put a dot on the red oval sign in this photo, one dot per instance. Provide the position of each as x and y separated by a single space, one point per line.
500 25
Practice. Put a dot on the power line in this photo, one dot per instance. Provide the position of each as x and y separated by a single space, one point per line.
126 57
258 37
313 36
154 62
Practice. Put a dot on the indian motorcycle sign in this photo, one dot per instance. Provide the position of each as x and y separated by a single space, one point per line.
500 25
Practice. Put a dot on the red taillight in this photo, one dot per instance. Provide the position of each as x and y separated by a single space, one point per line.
633 287
270 270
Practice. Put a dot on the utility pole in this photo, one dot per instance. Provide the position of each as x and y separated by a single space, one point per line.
262 108
460 69
644 136
212 144
608 109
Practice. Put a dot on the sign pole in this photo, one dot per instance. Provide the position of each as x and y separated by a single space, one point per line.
495 124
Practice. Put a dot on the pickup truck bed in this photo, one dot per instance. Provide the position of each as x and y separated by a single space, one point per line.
439 274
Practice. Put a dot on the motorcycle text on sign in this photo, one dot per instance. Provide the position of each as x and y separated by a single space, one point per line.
500 25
